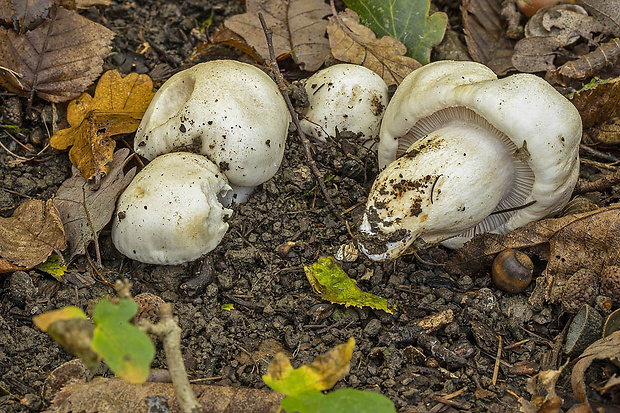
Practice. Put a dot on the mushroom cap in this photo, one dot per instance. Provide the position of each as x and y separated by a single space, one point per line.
171 212
345 96
229 111
541 126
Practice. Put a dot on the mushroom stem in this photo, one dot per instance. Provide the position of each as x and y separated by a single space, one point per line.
462 169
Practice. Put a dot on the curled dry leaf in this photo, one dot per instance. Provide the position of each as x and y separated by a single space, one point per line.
544 397
117 107
115 394
485 34
58 60
588 240
355 43
84 209
597 101
589 64
30 235
298 26
605 348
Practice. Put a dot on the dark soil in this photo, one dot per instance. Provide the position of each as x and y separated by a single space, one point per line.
263 277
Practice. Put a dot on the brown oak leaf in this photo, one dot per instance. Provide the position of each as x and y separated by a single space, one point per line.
485 34
58 60
84 209
297 27
117 107
30 235
589 240
352 42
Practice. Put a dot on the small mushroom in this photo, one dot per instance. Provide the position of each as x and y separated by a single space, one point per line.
229 111
345 97
512 271
466 153
172 212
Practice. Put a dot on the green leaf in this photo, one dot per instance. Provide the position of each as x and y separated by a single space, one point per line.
125 349
335 286
321 374
53 266
339 401
406 20
228 307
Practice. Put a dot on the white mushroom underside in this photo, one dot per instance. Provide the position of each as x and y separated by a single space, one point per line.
465 169
523 178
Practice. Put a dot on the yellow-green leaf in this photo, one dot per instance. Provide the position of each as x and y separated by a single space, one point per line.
228 307
320 375
125 349
43 321
53 266
335 286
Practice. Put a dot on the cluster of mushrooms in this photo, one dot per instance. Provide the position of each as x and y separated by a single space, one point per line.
461 153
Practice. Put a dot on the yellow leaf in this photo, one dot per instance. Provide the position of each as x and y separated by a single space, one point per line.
43 321
118 107
321 374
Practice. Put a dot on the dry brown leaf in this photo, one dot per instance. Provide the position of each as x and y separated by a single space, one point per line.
355 43
589 64
536 54
116 395
485 34
84 209
596 104
6 10
542 388
605 348
58 60
226 36
590 240
117 107
297 26
28 11
83 4
607 11
32 233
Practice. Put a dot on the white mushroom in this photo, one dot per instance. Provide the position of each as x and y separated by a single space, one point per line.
171 213
475 154
231 112
344 96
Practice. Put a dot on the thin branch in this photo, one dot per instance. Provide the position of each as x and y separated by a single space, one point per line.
170 333
275 70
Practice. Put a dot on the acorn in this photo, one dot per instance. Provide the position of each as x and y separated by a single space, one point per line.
512 271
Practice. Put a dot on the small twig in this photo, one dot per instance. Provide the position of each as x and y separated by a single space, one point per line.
597 153
275 70
600 185
609 166
169 332
498 358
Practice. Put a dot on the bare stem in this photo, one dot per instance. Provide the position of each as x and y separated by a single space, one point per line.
275 70
169 332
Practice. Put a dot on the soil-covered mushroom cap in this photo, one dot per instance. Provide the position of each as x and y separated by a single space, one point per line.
344 96
171 213
466 153
229 111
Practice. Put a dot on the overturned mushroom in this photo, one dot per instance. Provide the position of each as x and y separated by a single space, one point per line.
231 112
475 154
345 97
171 213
